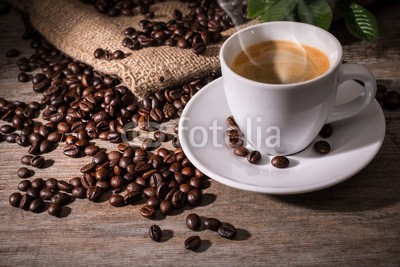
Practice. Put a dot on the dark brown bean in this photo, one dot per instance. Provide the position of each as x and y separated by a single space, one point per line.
93 193
38 162
254 157
147 211
194 197
54 209
116 201
241 151
25 202
280 162
15 199
26 160
45 194
36 206
61 198
227 230
51 184
155 233
24 172
322 147
192 242
212 224
193 221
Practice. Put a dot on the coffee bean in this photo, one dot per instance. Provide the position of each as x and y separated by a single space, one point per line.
72 151
15 199
55 137
132 197
178 199
36 206
24 185
194 197
45 194
166 207
54 209
193 221
34 149
155 233
79 192
98 53
326 131
147 211
64 186
24 172
51 184
46 146
116 201
12 53
38 162
33 192
160 136
11 137
7 129
150 144
61 198
254 157
212 224
118 54
88 168
93 193
199 48
23 77
25 202
227 230
241 151
322 147
192 242
280 162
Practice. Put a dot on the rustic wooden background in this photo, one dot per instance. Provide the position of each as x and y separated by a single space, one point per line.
354 223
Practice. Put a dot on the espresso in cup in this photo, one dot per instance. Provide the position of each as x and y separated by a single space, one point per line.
280 62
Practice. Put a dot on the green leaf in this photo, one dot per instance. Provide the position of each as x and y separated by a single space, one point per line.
257 7
316 12
279 10
360 22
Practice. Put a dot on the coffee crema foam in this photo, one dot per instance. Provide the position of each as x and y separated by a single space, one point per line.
280 62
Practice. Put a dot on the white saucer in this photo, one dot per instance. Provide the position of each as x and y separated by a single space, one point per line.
354 141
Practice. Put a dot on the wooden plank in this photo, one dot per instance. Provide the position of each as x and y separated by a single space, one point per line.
354 223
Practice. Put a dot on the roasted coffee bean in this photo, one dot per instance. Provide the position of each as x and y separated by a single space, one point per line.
92 150
322 147
11 137
12 53
88 168
75 181
93 193
36 206
24 172
192 242
26 160
199 48
79 192
98 53
326 131
150 192
147 211
116 201
254 157
61 198
235 142
46 146
241 151
132 197
113 156
212 224
24 185
51 184
54 209
25 202
15 199
178 199
166 207
72 151
232 123
194 197
38 162
193 221
64 186
70 140
45 194
33 192
23 77
55 137
118 54
280 162
227 230
153 201
150 144
34 149
117 182
155 233
7 129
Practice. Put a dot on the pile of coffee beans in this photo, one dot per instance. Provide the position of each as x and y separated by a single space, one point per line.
201 27
115 8
81 105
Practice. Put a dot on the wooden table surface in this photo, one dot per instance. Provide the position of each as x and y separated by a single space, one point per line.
354 223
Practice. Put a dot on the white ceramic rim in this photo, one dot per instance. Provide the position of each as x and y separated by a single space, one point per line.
292 86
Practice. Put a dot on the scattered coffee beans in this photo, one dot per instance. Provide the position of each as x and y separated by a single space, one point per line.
155 233
280 162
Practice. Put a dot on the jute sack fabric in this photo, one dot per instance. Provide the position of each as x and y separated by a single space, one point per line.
78 30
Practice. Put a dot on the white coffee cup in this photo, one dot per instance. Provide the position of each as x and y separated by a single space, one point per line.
282 119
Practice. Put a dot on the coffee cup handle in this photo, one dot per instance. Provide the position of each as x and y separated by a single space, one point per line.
347 110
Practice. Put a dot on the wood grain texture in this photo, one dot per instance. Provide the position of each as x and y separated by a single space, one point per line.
354 223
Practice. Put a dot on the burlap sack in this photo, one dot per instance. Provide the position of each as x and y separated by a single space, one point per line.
78 30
